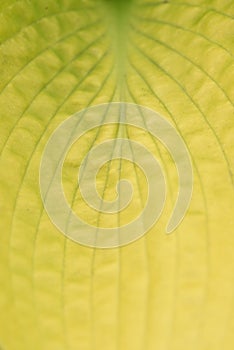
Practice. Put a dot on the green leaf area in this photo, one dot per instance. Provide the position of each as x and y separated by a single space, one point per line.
164 292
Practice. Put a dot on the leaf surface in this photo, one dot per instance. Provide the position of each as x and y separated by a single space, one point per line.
162 291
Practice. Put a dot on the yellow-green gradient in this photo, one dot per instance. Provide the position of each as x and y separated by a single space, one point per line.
164 292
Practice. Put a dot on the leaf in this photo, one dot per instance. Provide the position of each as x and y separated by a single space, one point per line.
162 291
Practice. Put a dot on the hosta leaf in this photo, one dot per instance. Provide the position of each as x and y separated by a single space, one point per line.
162 291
